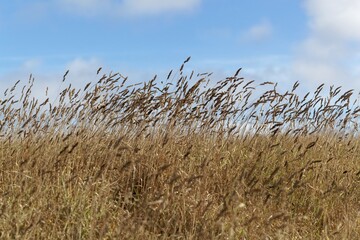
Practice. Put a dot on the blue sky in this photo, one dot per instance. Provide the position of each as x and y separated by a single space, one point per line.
312 41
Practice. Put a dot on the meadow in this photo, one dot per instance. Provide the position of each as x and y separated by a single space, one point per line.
183 156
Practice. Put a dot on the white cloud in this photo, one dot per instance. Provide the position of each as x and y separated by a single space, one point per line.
83 71
323 49
258 32
317 72
335 18
127 7
81 68
328 54
31 64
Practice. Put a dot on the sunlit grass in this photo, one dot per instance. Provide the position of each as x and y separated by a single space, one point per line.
183 157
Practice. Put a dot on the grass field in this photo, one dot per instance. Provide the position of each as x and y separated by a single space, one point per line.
183 157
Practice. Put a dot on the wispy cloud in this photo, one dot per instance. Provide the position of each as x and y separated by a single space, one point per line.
128 7
152 7
87 7
258 32
81 71
32 11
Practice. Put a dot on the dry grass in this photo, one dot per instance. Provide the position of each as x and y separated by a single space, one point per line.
180 159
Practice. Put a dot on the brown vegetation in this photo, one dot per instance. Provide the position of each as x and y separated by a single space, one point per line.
183 159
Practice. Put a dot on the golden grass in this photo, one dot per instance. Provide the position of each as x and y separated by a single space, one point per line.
179 159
